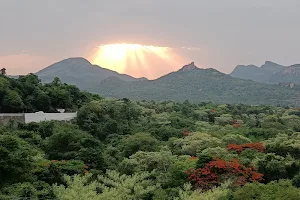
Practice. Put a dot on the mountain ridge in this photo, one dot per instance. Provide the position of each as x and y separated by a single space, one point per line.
198 85
269 72
188 83
80 72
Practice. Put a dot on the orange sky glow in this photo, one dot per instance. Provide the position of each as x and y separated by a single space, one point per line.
21 64
138 60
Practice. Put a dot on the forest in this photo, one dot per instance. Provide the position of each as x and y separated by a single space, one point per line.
28 94
121 149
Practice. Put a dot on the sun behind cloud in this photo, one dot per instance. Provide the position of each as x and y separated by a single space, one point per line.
137 60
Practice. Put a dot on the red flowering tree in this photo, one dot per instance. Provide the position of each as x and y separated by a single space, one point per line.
239 148
216 171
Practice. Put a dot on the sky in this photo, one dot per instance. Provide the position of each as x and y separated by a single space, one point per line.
218 34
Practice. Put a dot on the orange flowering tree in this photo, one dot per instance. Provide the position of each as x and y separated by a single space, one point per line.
216 171
239 148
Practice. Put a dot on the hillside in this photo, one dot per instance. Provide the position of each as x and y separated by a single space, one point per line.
255 73
289 74
197 85
79 72
268 73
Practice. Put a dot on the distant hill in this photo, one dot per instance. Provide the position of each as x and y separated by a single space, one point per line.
80 72
197 85
268 73
188 83
288 74
255 73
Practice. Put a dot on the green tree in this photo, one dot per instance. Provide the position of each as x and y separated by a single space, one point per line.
105 117
220 193
138 142
275 167
12 102
196 142
217 152
36 190
53 171
16 159
70 143
284 144
42 101
4 86
274 190
112 186
235 139
163 165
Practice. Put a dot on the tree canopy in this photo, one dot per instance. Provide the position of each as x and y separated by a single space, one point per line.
28 94
124 149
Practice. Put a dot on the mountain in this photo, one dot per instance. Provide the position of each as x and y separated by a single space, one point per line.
188 67
288 74
272 67
80 72
255 73
268 73
198 85
188 83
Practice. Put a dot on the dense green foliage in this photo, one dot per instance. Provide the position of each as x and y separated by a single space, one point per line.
123 149
28 94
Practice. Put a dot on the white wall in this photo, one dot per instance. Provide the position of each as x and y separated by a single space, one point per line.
40 116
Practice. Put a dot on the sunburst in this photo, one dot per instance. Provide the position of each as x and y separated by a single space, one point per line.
135 59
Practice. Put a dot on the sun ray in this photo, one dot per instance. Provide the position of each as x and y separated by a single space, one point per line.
135 59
